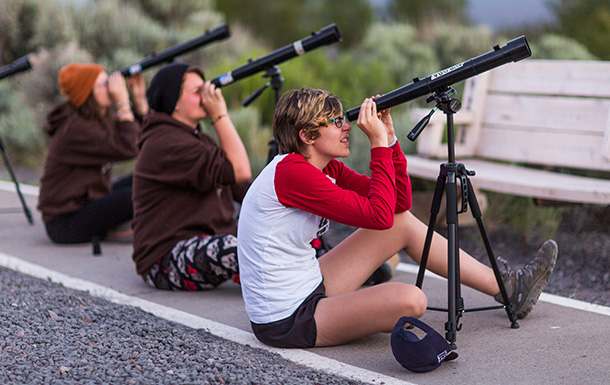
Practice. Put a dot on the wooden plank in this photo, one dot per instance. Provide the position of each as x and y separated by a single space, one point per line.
548 113
535 147
606 140
522 181
430 142
553 77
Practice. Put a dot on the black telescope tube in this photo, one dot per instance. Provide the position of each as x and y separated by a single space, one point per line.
515 50
218 33
21 64
327 35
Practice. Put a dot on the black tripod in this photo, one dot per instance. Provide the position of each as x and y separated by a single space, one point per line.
26 210
449 174
276 83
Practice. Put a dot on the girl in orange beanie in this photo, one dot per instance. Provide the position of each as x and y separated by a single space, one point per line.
96 126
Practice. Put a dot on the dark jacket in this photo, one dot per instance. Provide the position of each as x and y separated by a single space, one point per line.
77 168
184 185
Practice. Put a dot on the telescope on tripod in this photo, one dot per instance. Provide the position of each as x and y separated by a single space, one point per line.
19 65
219 33
452 174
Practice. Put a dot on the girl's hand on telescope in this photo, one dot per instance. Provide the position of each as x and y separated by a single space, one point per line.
386 118
117 89
370 123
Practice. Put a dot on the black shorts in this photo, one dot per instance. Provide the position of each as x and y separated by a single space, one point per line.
296 331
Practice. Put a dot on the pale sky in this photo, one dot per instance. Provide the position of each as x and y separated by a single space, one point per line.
508 13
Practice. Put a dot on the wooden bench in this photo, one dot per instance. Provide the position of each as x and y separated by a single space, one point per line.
529 128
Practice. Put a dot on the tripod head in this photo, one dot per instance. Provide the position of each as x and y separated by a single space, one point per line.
444 101
276 82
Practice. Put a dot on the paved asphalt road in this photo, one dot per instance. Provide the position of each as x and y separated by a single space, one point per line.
561 342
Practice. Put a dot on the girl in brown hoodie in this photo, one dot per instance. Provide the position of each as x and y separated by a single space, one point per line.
94 127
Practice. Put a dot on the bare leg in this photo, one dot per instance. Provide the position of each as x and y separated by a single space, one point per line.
472 272
349 263
340 317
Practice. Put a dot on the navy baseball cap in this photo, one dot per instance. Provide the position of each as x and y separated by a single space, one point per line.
419 355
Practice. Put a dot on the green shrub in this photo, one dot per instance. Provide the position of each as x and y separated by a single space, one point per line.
454 44
551 46
116 33
18 127
54 25
40 83
17 21
106 26
397 47
534 223
173 14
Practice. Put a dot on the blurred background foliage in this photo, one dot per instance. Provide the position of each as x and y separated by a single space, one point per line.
383 48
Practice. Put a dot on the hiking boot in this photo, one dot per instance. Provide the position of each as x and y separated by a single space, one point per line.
524 286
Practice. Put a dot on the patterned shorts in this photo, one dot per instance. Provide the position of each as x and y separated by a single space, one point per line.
198 263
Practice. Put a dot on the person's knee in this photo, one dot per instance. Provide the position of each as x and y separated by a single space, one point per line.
415 301
411 300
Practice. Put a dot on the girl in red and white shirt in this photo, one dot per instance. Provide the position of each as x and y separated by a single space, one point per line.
296 300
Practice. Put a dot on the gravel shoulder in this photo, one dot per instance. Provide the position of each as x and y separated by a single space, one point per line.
50 334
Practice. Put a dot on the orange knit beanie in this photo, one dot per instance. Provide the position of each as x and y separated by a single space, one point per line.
76 81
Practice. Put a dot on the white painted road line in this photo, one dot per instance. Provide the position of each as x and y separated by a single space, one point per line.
544 297
26 189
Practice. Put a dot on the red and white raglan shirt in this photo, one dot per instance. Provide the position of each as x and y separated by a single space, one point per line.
289 204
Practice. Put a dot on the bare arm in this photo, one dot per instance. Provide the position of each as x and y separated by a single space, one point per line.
229 139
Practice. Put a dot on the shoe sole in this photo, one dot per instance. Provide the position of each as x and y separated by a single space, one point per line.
536 290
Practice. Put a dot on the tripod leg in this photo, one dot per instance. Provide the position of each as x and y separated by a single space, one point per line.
455 306
476 213
434 209
26 210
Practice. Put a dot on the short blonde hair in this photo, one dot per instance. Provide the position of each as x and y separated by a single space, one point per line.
305 109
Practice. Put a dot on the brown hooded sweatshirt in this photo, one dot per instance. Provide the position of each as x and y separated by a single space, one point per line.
184 185
77 168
